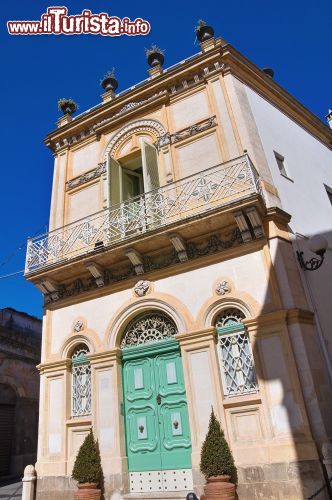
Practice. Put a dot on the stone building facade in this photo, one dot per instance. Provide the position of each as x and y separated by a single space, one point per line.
171 286
20 345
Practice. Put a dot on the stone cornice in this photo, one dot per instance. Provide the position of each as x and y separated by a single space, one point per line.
251 75
276 319
182 76
190 338
54 366
196 68
273 320
300 316
214 244
105 357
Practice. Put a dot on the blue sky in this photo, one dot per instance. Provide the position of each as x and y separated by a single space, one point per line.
293 37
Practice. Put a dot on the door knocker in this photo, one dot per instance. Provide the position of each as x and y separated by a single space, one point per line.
175 424
141 428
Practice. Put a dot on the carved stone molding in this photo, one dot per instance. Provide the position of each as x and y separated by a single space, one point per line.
177 87
153 126
141 288
184 134
223 287
142 125
88 176
73 139
194 250
78 325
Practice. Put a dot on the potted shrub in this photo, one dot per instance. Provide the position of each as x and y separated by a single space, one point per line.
155 56
87 470
67 106
217 463
109 82
203 31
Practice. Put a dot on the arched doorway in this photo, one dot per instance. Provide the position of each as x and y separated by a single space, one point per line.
155 406
7 416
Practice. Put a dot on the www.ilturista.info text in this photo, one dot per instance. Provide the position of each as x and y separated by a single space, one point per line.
56 21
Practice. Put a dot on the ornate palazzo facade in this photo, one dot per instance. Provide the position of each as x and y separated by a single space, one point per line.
171 286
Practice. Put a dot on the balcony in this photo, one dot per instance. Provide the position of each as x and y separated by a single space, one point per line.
173 204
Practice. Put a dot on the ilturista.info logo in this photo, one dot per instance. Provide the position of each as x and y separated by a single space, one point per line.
56 21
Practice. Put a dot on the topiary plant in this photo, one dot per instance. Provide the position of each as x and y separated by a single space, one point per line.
87 467
216 456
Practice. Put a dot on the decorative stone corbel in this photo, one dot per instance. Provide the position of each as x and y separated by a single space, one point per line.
180 246
136 260
243 226
97 272
255 221
49 287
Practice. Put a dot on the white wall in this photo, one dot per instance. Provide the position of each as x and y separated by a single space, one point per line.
192 289
309 165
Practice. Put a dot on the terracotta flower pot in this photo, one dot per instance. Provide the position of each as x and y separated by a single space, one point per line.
219 488
87 491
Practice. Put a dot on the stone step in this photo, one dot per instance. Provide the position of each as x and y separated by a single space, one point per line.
154 495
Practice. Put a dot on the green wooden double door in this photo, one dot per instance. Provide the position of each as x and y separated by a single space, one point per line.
156 414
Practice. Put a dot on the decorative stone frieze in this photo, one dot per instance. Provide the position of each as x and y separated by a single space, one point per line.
194 250
176 88
153 126
184 134
88 176
92 130
141 288
147 125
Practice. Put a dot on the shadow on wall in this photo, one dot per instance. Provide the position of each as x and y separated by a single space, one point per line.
293 356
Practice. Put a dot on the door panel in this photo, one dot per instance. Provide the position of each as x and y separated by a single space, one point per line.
139 380
175 443
156 415
143 445
142 432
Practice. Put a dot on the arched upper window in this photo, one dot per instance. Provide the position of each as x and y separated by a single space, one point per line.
134 173
148 327
81 381
236 359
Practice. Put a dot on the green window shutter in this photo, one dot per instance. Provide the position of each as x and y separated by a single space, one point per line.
150 166
114 181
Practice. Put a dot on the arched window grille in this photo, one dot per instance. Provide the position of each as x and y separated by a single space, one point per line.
236 359
81 382
148 327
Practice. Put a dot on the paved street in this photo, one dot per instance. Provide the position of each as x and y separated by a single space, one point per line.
11 491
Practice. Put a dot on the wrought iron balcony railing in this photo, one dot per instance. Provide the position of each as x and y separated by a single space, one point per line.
182 199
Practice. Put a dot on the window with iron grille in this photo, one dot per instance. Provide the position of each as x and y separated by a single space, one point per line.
81 382
236 359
